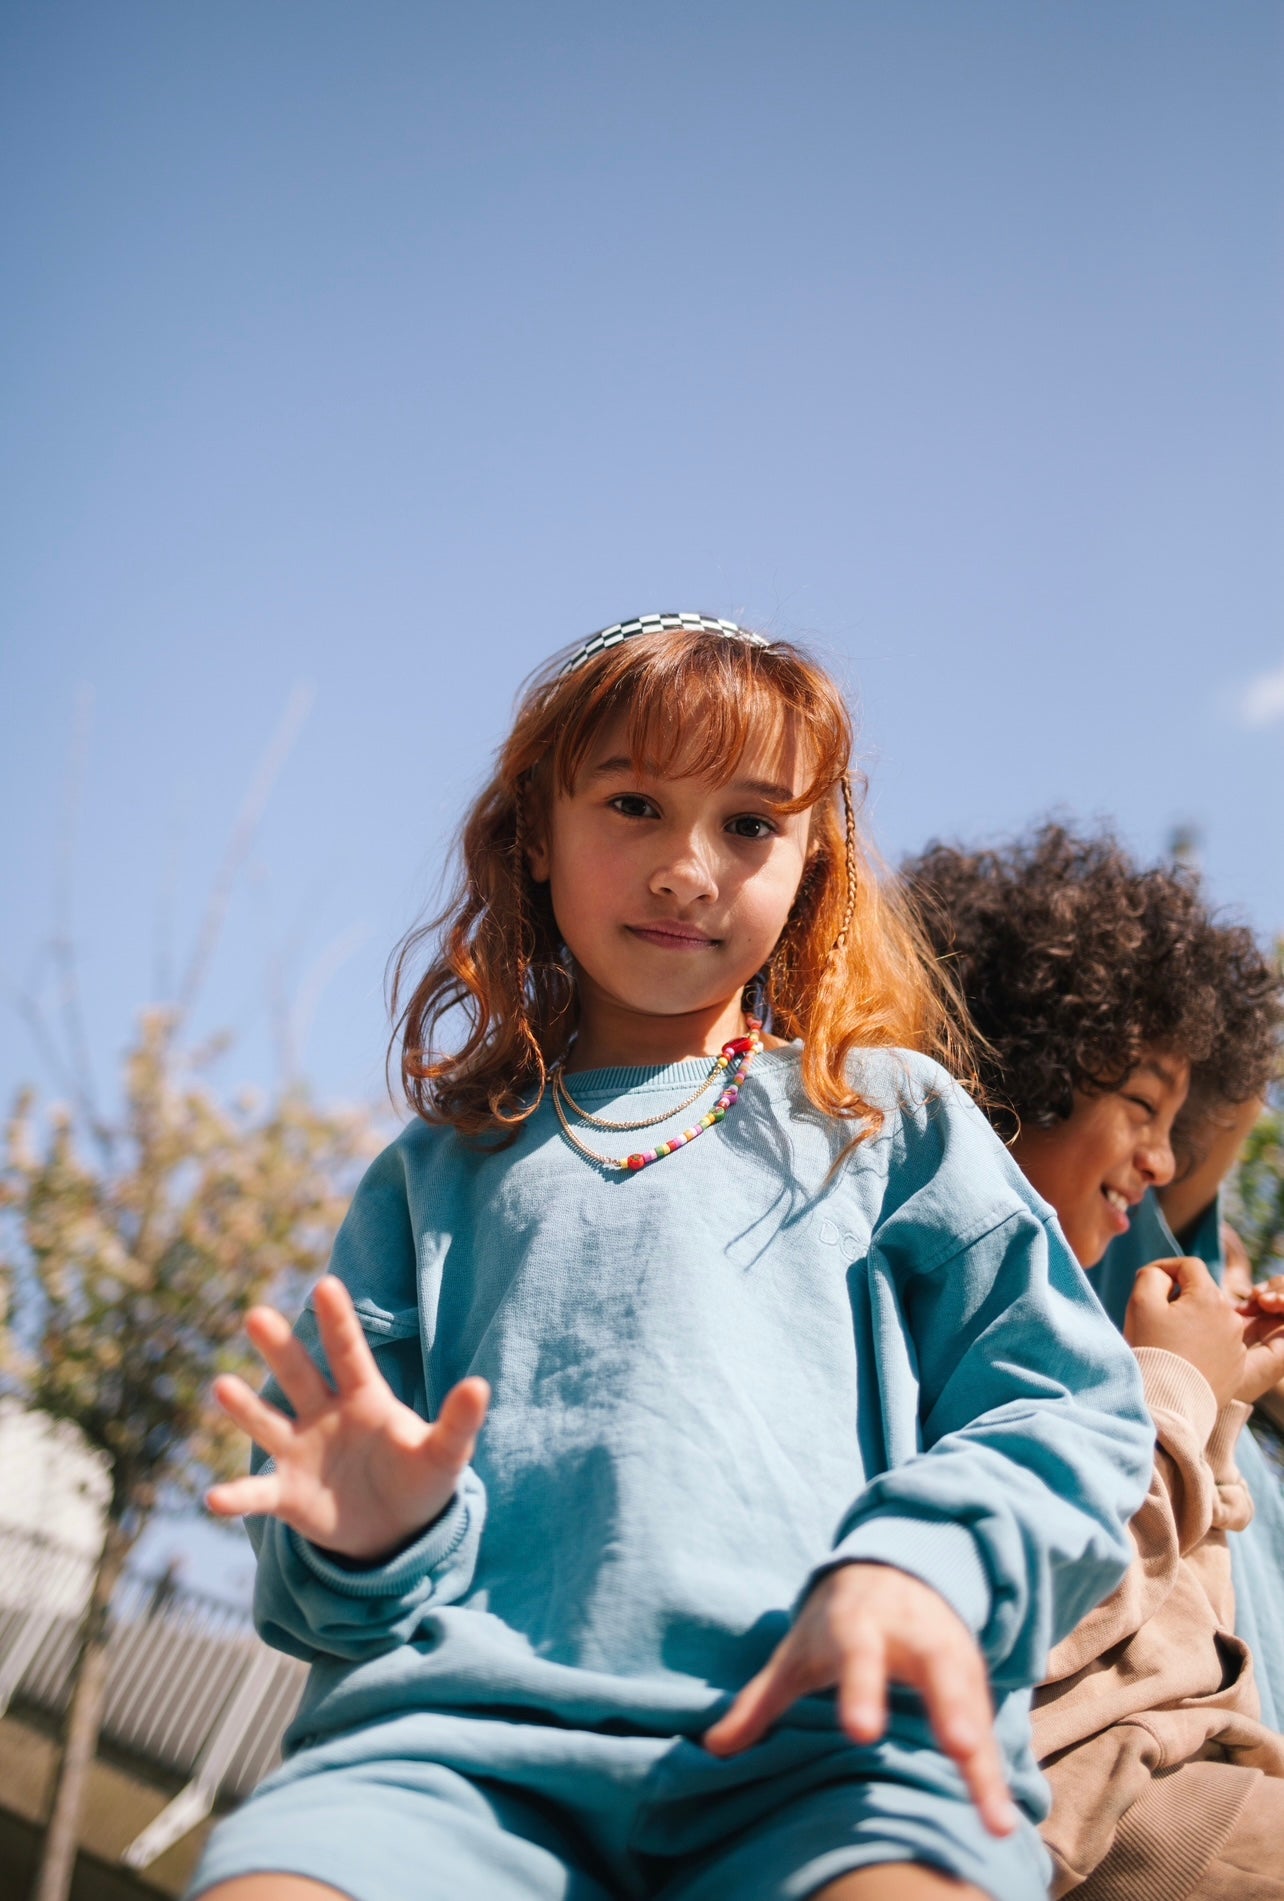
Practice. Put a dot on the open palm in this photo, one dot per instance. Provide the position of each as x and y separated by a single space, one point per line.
354 1471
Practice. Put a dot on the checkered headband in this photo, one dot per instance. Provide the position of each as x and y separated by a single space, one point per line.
658 624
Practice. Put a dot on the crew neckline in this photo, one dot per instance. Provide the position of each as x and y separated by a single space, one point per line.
647 1076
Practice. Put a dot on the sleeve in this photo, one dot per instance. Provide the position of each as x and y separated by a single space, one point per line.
1196 1448
1011 1489
306 1602
1232 1510
1175 1518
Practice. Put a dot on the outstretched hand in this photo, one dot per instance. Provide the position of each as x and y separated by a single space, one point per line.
356 1472
865 1626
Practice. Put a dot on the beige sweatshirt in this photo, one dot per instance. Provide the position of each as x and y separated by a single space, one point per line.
1154 1677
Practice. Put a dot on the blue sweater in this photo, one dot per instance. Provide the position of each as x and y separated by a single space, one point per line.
1257 1552
712 1380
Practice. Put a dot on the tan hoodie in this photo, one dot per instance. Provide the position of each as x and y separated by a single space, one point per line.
1154 1678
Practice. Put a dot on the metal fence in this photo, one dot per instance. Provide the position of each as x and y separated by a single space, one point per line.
191 1691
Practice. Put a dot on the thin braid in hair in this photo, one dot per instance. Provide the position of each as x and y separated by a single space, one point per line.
849 854
524 934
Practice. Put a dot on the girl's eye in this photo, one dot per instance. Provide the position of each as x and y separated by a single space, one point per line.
752 827
632 805
1142 1103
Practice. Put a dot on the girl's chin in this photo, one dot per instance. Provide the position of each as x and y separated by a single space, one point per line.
1093 1247
1088 1240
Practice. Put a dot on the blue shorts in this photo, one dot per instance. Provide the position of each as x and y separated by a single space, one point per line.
434 1808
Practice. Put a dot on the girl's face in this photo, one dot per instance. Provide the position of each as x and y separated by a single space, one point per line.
670 893
1100 1161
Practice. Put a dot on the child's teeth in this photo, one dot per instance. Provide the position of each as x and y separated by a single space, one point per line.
1117 1200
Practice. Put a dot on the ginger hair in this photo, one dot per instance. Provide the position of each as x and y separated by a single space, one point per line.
851 968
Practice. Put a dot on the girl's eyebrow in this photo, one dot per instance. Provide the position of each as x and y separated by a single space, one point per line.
759 788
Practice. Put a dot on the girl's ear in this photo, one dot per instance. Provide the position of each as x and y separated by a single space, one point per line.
537 857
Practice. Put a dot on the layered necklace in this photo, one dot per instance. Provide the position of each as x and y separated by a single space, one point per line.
730 1067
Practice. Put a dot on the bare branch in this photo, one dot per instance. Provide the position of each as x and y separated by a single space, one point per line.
28 1009
79 1062
297 708
317 979
166 909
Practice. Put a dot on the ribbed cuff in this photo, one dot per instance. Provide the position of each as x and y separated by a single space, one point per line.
1223 1438
1173 1385
429 1550
1167 1839
940 1554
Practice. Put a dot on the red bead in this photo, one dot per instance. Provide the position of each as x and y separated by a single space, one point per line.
636 1161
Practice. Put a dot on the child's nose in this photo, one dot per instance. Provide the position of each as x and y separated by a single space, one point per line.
1157 1161
686 874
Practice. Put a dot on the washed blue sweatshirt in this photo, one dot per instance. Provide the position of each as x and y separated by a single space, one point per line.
713 1380
1257 1552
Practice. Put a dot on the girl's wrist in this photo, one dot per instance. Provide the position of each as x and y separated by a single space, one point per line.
388 1553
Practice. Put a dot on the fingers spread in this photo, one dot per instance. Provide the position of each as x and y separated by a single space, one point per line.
265 1425
256 1497
288 1360
455 1429
763 1699
352 1364
954 1689
983 1771
862 1688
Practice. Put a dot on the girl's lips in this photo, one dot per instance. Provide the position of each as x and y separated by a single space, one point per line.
666 938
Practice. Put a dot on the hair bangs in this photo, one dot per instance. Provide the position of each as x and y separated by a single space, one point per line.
732 699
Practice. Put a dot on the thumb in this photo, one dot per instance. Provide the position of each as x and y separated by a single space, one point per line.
1152 1289
1192 1276
460 1419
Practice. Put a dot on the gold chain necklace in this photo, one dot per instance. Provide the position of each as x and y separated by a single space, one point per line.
561 1089
733 1060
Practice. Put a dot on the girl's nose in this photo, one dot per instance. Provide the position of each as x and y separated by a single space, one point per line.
686 875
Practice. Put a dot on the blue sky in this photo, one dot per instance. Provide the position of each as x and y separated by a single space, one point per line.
366 355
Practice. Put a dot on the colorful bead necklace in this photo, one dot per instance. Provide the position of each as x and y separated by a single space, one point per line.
733 1061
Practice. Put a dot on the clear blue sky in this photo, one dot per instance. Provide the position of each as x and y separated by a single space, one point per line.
382 349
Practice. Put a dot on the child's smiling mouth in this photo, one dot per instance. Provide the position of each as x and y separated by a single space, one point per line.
1119 1204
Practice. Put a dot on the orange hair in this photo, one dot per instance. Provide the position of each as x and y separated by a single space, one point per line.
850 969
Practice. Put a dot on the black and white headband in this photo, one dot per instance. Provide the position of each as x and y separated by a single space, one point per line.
658 624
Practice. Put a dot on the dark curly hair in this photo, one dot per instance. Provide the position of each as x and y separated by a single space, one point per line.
1071 960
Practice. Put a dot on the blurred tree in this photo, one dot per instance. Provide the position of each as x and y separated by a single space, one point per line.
132 1244
1257 1193
1256 1201
137 1254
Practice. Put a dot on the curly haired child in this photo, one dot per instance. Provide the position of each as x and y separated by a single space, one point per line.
1118 1018
805 1436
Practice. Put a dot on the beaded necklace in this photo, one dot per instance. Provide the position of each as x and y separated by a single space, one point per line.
733 1061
